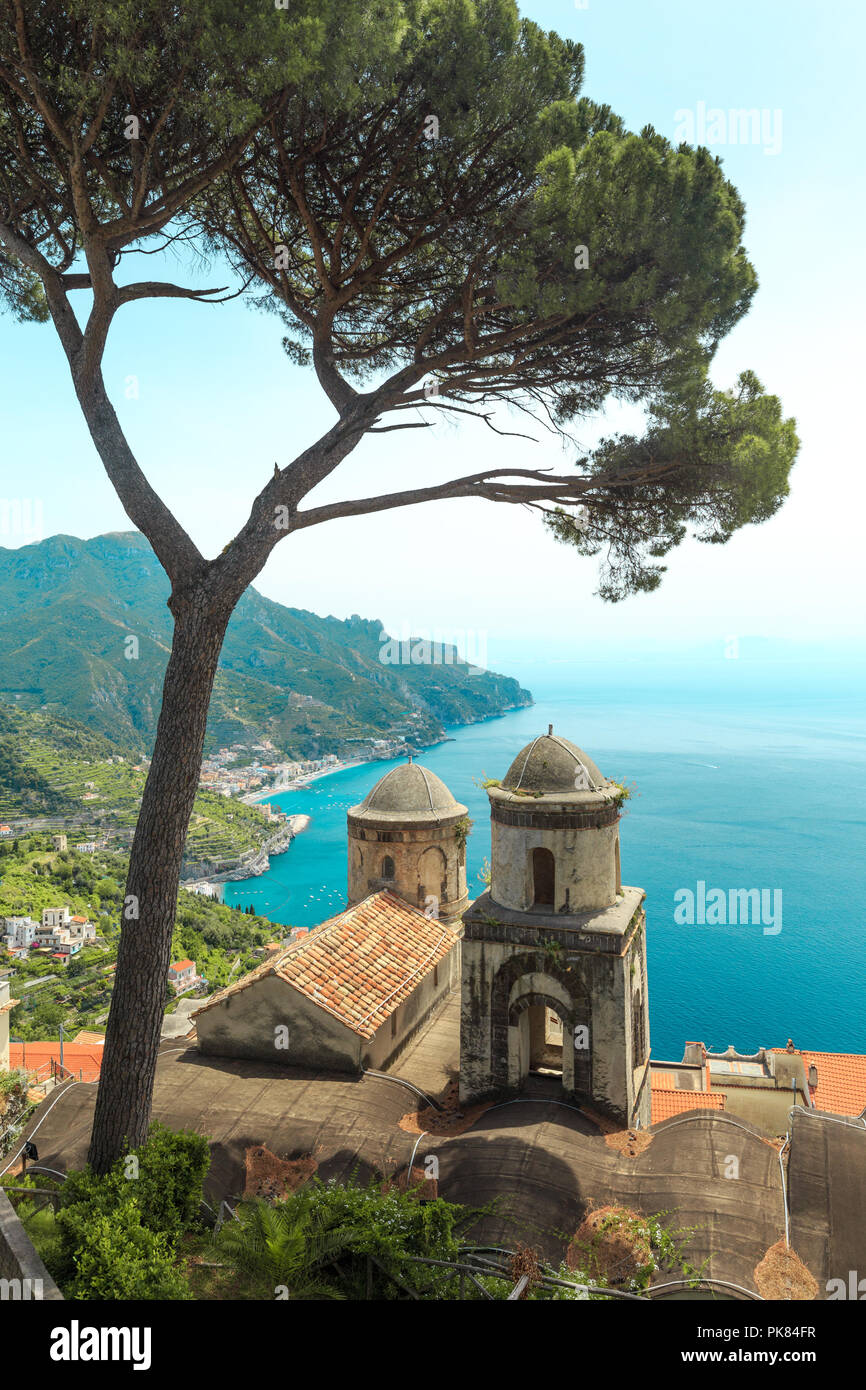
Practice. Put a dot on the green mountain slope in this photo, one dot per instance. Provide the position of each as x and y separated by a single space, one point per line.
68 609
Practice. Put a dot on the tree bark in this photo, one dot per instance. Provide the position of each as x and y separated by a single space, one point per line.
137 1005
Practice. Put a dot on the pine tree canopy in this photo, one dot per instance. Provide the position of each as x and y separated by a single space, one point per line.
445 225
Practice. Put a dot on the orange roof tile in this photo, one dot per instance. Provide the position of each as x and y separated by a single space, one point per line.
182 965
663 1080
77 1057
360 965
667 1103
841 1085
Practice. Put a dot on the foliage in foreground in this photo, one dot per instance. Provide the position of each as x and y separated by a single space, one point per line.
136 1234
316 1242
116 1237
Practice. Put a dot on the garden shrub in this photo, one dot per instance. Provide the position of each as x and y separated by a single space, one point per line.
119 1233
115 1257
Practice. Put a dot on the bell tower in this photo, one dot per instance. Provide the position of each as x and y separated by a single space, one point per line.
408 835
554 984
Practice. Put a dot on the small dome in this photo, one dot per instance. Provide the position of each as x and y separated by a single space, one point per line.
551 765
409 792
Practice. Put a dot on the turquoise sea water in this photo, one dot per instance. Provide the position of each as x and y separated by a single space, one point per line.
747 775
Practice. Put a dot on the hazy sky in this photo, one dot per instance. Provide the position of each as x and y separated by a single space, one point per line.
219 402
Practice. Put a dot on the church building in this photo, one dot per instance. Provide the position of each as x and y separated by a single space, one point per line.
553 975
554 990
349 995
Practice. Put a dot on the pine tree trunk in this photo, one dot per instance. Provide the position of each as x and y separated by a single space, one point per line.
137 1005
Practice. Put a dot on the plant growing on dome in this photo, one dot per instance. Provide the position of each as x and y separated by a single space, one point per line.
624 792
461 831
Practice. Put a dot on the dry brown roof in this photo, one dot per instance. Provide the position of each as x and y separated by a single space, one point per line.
360 965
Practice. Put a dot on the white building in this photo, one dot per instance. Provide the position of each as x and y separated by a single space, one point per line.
204 889
7 1004
19 931
55 916
80 929
182 975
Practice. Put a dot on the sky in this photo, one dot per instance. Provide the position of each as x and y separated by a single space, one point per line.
209 400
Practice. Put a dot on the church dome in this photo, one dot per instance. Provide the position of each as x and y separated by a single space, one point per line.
551 765
409 792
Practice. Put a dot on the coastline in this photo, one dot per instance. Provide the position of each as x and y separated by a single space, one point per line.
252 798
258 861
298 783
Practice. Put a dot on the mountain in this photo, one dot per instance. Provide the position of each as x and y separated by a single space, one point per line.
311 685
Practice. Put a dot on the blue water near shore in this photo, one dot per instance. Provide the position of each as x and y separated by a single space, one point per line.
746 774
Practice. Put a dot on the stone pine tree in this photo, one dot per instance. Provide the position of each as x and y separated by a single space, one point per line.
446 227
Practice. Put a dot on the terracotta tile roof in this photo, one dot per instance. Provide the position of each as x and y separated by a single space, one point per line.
360 965
77 1057
667 1103
663 1080
182 965
841 1085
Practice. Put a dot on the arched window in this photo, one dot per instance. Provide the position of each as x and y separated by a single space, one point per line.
543 878
388 867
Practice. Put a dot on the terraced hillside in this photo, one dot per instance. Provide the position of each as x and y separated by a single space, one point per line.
58 770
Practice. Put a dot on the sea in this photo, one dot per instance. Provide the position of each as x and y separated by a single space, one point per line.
744 774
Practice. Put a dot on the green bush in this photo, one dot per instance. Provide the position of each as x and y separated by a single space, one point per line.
164 1176
172 1170
315 1243
119 1233
116 1257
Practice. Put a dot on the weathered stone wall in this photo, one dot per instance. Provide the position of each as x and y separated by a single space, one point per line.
586 863
586 978
19 1262
428 859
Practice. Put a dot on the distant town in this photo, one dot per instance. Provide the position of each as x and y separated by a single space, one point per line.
249 771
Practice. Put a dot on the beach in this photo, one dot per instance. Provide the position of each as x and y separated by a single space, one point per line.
298 783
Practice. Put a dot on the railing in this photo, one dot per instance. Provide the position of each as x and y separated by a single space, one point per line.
476 1265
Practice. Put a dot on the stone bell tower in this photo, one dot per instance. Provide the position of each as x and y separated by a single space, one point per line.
554 986
409 835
